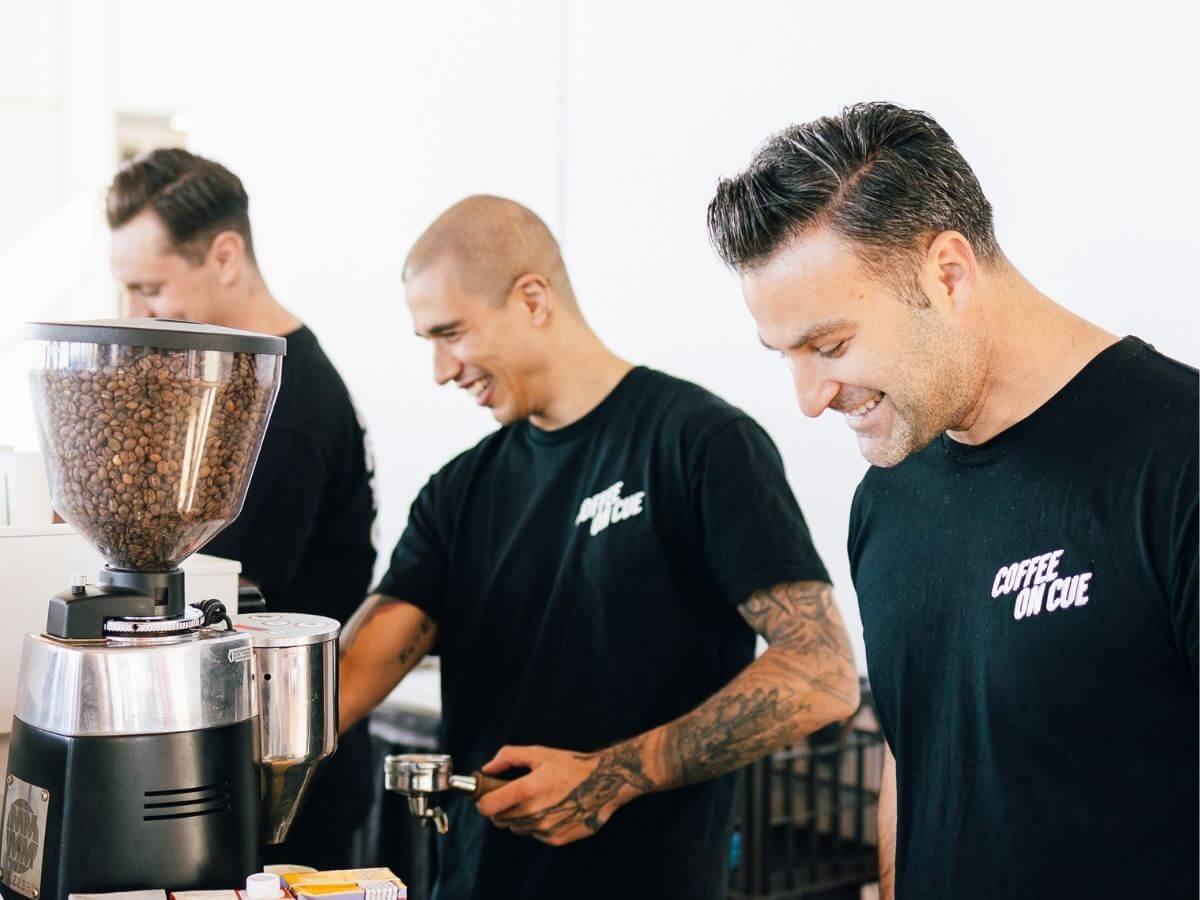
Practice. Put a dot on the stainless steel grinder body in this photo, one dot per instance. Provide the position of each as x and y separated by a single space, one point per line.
165 761
133 764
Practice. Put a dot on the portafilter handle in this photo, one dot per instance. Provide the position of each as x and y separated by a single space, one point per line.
476 785
421 776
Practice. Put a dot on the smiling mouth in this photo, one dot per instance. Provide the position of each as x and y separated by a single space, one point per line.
859 411
478 387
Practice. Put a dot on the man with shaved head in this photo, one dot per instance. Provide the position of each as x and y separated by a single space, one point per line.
593 575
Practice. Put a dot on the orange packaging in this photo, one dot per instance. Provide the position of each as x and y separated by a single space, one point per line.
346 884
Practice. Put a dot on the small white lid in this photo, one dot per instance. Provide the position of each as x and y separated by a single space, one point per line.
263 886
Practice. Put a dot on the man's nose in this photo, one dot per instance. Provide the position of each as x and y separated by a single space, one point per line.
445 366
134 308
813 393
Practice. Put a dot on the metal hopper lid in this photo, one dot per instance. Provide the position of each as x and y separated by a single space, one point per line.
286 629
167 334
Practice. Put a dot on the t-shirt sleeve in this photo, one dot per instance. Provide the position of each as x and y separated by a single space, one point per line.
1181 576
855 532
752 531
279 515
417 571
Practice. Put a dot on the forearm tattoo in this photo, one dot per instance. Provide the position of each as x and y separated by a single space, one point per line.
807 671
419 641
619 767
801 621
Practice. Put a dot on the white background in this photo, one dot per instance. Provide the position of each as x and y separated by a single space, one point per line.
352 126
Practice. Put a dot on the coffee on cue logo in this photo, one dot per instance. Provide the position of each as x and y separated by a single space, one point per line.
608 507
1039 587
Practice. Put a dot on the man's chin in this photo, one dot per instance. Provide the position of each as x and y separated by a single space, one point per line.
885 445
892 449
883 454
503 415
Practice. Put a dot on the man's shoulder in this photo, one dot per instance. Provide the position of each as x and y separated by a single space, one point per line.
458 470
1130 409
1152 396
684 407
312 398
307 364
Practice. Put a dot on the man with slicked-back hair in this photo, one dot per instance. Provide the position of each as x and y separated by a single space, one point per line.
182 248
593 575
1024 547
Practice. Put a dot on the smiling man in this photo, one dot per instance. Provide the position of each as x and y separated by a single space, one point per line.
593 574
1025 548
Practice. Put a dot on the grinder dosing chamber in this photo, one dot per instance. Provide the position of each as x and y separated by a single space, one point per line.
296 672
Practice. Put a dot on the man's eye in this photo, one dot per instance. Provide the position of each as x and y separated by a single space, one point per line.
148 291
834 351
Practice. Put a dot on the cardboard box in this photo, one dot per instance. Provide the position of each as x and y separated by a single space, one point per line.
346 884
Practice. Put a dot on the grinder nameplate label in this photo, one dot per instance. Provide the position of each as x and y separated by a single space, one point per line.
241 654
23 836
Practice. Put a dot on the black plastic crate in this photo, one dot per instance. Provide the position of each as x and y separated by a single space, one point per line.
806 820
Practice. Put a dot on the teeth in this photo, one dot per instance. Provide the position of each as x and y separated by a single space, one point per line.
866 407
478 386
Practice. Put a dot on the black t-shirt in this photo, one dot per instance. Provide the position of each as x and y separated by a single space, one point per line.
1029 610
304 534
585 582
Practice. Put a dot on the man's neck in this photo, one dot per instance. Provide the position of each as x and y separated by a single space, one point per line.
255 309
1031 349
583 375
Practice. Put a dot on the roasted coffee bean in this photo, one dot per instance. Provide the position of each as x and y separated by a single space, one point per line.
147 458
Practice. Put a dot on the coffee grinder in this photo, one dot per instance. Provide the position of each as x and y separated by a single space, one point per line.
157 741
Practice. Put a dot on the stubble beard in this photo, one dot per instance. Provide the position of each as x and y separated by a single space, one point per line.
930 392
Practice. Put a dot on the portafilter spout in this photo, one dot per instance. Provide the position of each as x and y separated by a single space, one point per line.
296 677
420 777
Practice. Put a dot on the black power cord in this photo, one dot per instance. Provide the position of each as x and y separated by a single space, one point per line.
214 611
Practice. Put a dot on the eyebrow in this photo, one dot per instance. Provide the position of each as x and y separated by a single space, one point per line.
814 333
439 330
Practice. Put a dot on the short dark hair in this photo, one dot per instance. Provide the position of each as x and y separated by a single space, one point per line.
195 197
882 176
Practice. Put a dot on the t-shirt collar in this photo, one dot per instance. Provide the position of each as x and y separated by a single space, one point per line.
589 420
1059 403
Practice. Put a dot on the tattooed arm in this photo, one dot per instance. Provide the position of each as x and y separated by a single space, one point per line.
805 680
380 644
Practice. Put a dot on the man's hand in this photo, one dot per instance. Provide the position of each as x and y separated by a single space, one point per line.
566 796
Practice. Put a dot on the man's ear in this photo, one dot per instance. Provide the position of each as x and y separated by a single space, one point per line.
950 273
228 254
534 294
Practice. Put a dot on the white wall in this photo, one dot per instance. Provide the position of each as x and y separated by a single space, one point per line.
614 120
351 133
29 115
57 148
